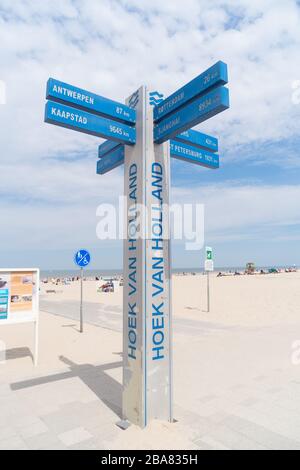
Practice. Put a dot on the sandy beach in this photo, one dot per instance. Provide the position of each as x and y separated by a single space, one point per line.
235 385
256 300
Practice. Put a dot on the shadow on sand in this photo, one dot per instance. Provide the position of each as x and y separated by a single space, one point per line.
18 353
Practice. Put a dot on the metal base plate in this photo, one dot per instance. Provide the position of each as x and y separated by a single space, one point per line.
123 424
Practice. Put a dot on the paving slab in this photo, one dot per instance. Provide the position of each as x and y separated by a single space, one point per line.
74 436
13 443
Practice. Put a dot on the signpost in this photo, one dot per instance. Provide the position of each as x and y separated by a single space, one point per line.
82 258
209 267
138 135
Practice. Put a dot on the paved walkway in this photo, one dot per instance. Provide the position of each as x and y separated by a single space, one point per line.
95 313
235 388
110 317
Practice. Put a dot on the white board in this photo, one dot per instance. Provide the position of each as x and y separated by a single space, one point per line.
209 265
19 298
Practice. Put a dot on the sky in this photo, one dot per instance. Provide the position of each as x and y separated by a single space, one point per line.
49 189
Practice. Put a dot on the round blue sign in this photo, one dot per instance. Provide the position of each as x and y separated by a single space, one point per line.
82 258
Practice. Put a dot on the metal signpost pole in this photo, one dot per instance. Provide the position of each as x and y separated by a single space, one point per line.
82 259
208 297
209 266
81 300
36 325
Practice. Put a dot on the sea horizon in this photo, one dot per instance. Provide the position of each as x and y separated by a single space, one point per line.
57 273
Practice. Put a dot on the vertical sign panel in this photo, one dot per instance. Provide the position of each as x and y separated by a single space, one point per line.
134 272
147 356
158 279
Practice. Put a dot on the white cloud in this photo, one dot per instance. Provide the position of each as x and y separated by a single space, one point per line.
111 47
232 209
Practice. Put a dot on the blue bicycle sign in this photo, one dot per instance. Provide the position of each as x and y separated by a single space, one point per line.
82 258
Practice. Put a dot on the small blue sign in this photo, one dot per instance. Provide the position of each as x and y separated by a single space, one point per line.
198 139
179 150
4 294
106 147
111 160
72 118
211 78
63 93
82 258
191 154
190 137
192 114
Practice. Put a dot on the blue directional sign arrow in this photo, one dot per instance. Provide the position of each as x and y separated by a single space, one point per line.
192 114
76 97
198 139
72 118
106 147
211 78
111 160
190 137
191 154
181 151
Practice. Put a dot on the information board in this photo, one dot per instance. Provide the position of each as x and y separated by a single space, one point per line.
19 298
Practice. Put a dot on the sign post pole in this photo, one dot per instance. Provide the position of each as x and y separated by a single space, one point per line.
208 296
209 266
82 259
81 300
36 325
